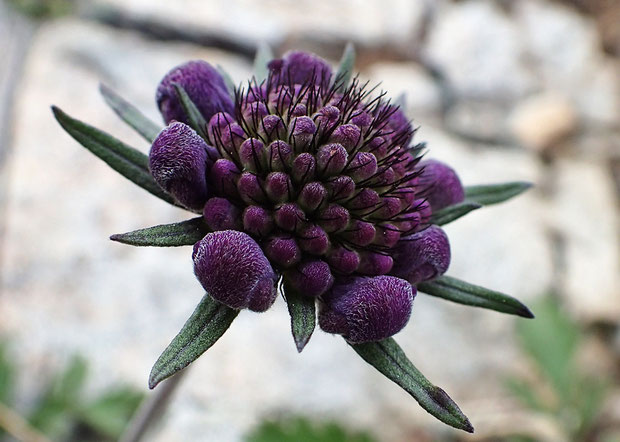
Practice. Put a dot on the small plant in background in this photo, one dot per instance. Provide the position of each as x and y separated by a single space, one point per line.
306 183
301 429
61 411
560 389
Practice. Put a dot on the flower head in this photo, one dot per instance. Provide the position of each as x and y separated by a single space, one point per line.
316 181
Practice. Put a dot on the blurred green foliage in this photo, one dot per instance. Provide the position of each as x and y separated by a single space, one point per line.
62 412
301 429
43 9
563 390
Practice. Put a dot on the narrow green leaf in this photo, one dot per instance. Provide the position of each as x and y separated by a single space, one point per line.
130 114
495 193
206 325
184 233
387 357
345 68
453 212
195 118
303 316
230 84
263 56
126 160
463 292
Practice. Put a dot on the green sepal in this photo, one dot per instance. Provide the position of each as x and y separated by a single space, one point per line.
303 316
130 114
495 193
126 160
230 84
463 292
184 233
345 67
194 117
263 56
453 212
387 357
206 325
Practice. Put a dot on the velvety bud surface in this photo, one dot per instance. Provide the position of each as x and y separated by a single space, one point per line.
232 268
310 278
367 309
178 161
221 214
204 85
440 183
422 256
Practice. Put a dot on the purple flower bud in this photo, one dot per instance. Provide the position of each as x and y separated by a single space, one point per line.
343 261
423 207
312 195
313 240
289 217
334 218
204 85
331 159
362 166
232 268
280 154
310 278
390 207
177 162
348 135
365 200
442 186
374 264
360 233
398 127
299 110
297 67
250 189
221 214
387 235
361 118
252 154
422 256
327 117
341 187
257 221
301 132
254 112
304 167
384 177
272 127
223 177
278 186
283 251
367 309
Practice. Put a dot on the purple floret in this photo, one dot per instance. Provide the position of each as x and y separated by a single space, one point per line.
232 268
367 309
440 184
422 256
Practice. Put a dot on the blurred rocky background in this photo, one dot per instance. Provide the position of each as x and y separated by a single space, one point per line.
502 90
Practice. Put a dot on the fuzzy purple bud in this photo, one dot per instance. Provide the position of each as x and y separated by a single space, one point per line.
331 159
422 256
310 278
374 264
343 260
232 268
221 214
348 135
312 195
257 221
280 154
313 240
252 154
283 251
297 67
304 167
204 85
440 183
301 132
223 177
278 187
289 217
362 167
367 309
177 162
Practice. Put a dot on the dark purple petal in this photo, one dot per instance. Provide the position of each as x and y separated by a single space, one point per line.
367 309
178 161
204 85
283 251
232 268
310 278
422 256
440 184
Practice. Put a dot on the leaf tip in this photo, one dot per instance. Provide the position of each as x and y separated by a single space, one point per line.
301 343
525 312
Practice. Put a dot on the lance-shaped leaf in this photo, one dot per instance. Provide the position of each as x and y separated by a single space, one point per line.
230 84
495 193
195 118
345 68
303 316
463 292
184 233
206 325
263 56
453 212
126 160
387 357
130 114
